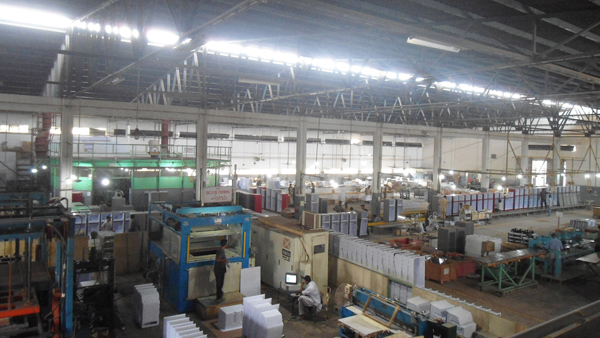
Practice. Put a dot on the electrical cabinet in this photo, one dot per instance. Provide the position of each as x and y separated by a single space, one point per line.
281 252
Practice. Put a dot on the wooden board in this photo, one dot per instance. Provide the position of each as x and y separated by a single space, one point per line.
128 252
489 322
81 248
341 271
363 325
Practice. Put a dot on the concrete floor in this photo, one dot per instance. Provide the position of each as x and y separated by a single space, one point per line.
529 306
319 326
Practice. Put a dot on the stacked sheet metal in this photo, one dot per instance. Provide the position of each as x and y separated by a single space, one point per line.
146 303
180 326
399 264
583 224
261 318
473 247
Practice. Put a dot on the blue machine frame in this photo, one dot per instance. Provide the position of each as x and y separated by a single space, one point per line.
405 318
24 229
560 256
175 286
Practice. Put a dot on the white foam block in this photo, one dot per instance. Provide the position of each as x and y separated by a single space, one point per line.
231 317
250 281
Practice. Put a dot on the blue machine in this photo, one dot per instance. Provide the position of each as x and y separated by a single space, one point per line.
190 236
28 229
406 319
574 246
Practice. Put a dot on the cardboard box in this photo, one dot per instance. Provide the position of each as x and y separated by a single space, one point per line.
488 246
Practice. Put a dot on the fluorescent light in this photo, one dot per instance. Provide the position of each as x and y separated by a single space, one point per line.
442 176
499 187
44 167
90 176
34 170
519 176
451 172
161 37
504 178
587 175
73 177
105 181
69 181
125 32
36 19
433 44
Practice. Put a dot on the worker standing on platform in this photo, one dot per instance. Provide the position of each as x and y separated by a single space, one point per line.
543 195
311 297
221 265
443 205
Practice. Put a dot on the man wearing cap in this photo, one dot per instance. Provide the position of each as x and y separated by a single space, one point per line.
311 297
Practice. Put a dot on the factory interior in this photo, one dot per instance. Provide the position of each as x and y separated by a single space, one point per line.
279 168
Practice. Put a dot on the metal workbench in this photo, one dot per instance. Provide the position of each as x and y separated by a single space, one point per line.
504 271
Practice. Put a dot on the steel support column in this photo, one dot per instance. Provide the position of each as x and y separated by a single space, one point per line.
556 168
377 157
485 161
437 159
66 153
201 155
525 161
300 157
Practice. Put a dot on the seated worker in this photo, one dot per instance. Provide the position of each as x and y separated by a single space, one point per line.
339 207
311 297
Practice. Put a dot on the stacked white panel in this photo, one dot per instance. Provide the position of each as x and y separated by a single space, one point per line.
261 318
146 304
180 326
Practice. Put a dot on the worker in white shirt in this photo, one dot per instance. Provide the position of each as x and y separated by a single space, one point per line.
107 225
311 297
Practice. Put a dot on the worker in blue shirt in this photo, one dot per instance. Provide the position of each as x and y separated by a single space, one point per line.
553 244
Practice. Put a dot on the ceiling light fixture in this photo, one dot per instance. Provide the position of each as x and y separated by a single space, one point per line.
26 17
433 44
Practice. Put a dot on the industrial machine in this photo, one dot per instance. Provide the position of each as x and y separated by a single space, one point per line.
287 249
184 241
31 247
574 246
392 315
